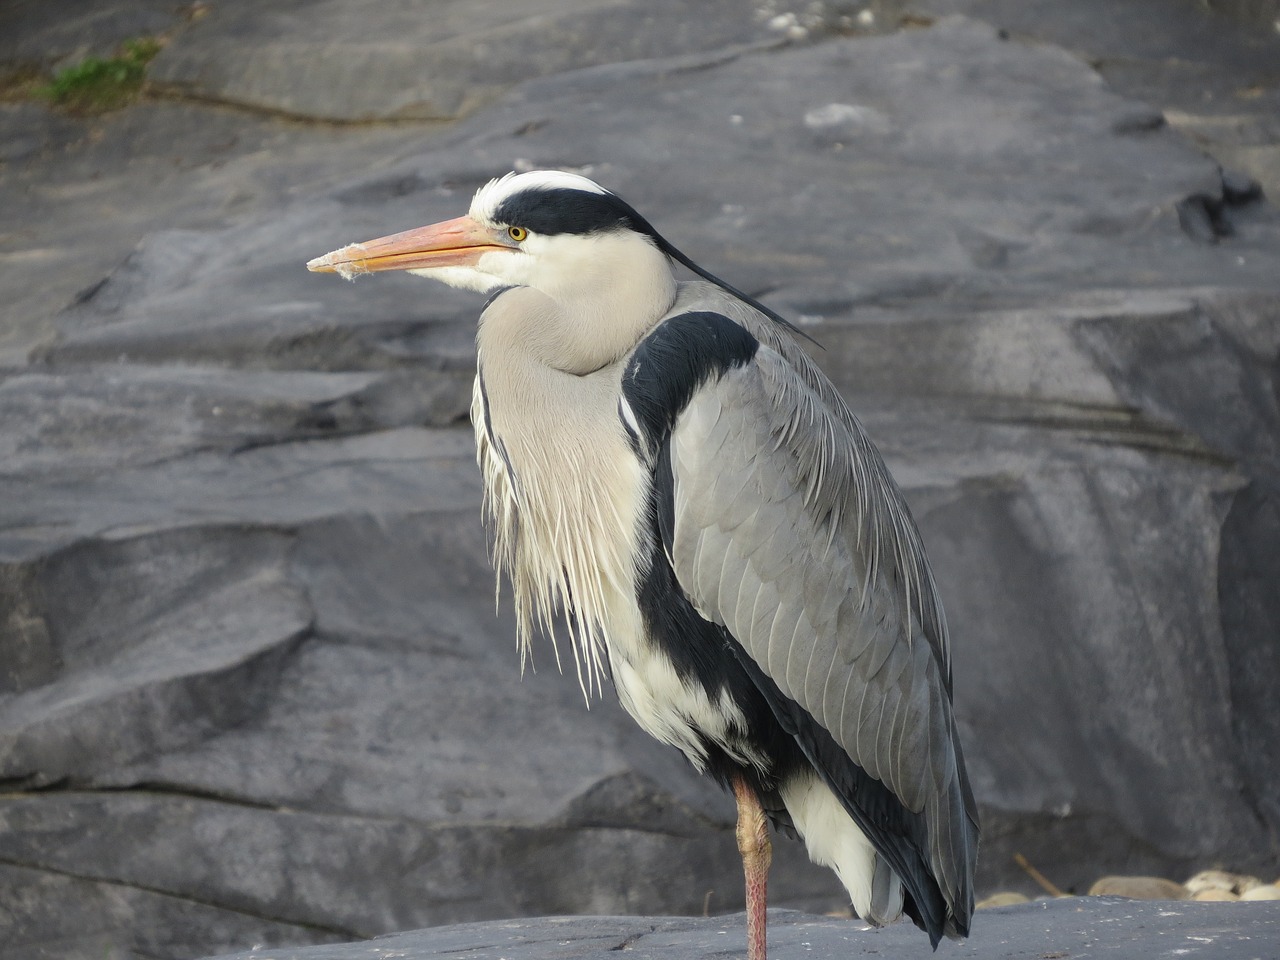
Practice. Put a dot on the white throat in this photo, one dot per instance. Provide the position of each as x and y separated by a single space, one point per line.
600 294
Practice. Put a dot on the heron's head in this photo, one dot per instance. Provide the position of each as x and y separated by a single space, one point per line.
545 229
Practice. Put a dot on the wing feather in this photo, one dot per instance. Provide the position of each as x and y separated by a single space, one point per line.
790 532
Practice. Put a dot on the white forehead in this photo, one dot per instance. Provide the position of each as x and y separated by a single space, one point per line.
489 197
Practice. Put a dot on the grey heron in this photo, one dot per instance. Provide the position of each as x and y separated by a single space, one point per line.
665 464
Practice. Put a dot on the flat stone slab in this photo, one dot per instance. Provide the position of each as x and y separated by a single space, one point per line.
252 687
334 61
1075 927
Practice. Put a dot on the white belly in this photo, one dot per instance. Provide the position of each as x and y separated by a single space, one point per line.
668 708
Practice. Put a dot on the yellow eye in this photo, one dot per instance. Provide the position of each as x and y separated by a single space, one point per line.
517 233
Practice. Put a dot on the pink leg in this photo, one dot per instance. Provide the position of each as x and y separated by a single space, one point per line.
757 854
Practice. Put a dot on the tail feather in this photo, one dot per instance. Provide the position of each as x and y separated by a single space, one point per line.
886 895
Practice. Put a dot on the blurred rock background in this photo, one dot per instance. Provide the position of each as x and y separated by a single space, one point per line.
252 688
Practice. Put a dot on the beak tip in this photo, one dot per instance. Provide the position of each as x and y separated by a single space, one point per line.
348 261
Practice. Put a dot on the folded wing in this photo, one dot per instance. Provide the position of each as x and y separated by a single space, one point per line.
789 531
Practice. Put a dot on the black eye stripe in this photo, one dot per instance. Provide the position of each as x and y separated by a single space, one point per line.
564 210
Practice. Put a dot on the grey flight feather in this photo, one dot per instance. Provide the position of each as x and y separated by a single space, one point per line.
829 591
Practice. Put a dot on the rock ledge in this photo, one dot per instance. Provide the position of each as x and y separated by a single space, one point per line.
1070 927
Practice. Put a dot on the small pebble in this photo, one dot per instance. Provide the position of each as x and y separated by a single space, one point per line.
1006 898
1214 895
1138 888
1263 891
1221 880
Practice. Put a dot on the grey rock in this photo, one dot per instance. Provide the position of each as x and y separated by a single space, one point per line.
51 916
1211 75
31 36
1068 927
253 688
332 61
86 190
99 667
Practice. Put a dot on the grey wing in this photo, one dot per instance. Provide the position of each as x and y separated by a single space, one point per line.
790 532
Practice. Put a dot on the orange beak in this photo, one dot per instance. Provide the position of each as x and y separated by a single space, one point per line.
453 243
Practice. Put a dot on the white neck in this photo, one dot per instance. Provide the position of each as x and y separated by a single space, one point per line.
605 293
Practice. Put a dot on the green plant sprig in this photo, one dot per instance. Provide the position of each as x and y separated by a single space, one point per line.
96 85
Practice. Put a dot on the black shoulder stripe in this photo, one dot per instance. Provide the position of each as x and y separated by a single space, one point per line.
677 358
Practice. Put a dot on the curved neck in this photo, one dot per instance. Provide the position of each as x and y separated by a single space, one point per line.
606 293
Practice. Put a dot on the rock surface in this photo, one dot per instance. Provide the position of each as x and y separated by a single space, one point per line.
333 61
1073 927
252 689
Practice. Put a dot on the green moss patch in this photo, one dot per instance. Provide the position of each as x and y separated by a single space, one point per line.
96 85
